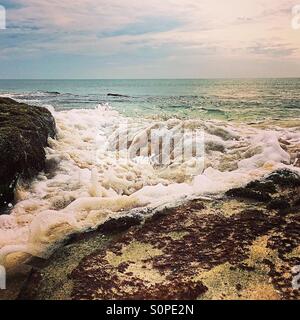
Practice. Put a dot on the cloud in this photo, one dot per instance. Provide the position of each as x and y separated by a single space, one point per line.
157 31
272 50
145 26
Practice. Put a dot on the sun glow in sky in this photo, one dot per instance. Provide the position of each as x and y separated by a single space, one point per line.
149 39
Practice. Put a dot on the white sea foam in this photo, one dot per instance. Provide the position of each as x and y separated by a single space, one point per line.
87 181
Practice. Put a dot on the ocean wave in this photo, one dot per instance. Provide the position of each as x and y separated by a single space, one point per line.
24 95
89 181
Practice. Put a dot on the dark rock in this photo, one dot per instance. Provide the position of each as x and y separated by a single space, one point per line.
119 225
249 193
56 93
117 95
278 204
24 131
284 178
279 190
238 287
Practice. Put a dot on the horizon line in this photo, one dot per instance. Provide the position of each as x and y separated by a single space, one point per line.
207 78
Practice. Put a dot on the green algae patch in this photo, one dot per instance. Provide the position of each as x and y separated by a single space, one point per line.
133 261
228 282
50 279
135 251
177 235
248 281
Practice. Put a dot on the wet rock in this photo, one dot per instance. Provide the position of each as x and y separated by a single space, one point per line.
280 190
189 254
279 204
24 131
117 95
196 251
230 248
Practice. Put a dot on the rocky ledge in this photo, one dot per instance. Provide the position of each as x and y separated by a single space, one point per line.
24 131
243 246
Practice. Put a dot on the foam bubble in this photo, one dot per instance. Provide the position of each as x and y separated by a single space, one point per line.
87 180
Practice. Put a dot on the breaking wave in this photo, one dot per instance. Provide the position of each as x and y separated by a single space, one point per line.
87 181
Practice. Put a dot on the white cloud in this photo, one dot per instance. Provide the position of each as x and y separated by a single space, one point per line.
231 28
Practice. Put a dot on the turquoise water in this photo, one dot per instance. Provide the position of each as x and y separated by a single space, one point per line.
236 99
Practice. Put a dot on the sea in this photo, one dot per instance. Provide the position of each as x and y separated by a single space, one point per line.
134 147
228 99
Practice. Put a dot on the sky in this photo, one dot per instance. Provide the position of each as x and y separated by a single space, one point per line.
64 39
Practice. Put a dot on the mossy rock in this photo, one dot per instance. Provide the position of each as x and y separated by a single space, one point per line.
220 249
24 132
279 190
